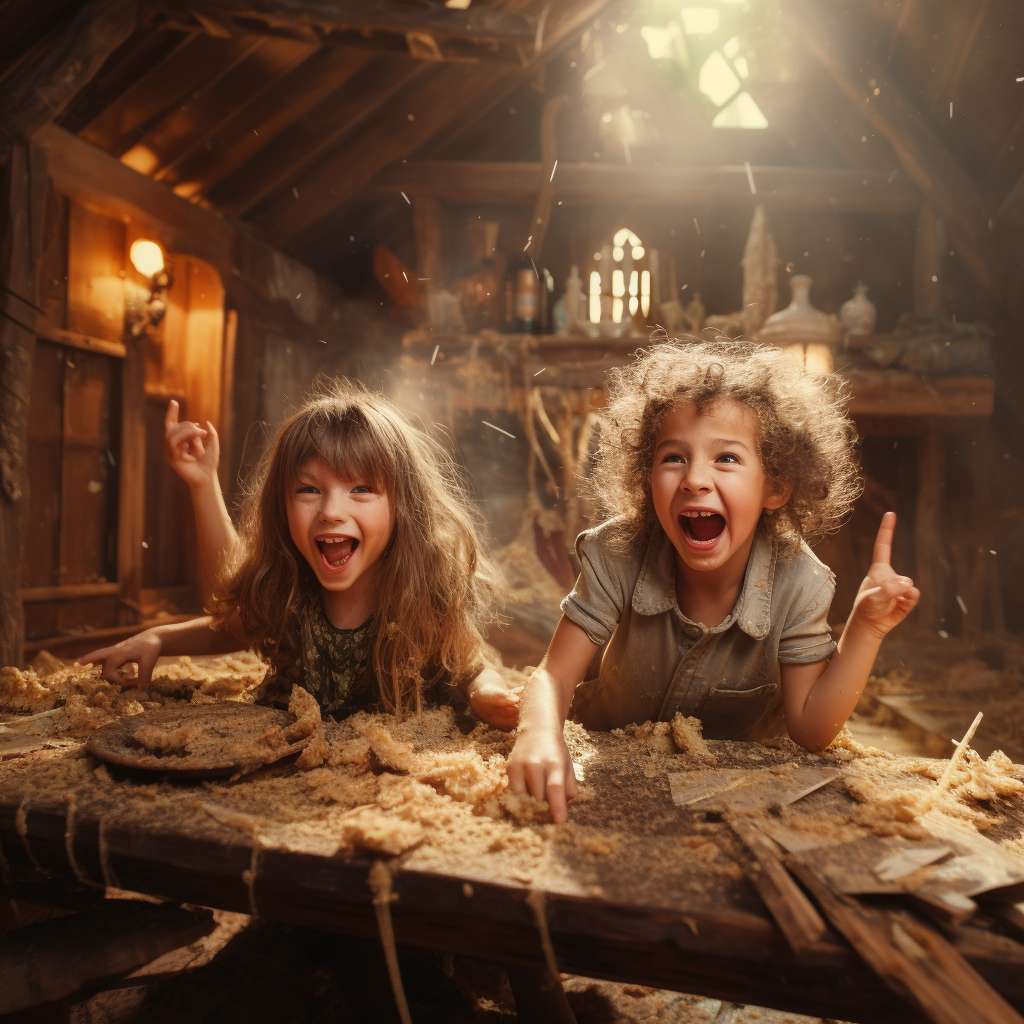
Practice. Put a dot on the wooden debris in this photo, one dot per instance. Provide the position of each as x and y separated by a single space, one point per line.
793 911
380 884
954 762
913 959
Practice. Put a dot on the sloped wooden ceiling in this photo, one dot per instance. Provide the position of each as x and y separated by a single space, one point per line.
289 114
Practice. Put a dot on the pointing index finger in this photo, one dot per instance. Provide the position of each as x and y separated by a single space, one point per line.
882 553
171 416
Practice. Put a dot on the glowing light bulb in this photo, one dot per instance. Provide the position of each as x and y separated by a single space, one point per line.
147 257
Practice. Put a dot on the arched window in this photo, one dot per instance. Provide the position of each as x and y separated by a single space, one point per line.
621 284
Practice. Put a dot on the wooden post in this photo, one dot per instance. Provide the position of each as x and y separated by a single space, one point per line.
22 205
928 537
549 158
930 248
131 509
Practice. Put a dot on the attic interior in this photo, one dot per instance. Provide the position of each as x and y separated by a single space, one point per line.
481 209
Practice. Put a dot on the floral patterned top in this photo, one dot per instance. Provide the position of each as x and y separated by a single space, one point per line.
337 664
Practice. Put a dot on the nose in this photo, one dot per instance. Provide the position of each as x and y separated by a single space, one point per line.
335 506
696 479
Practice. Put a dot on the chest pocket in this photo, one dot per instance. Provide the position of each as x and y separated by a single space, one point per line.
730 713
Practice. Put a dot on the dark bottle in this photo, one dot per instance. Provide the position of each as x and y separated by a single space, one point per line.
526 297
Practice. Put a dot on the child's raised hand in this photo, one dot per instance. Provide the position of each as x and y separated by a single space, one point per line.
193 451
540 764
884 599
493 701
143 649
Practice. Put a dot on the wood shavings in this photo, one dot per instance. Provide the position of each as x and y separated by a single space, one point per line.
688 736
104 850
166 741
380 886
954 761
21 825
69 847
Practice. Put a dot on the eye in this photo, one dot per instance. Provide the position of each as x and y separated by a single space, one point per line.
362 489
673 458
728 457
307 489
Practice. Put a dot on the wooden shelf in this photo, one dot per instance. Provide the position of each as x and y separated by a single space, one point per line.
68 591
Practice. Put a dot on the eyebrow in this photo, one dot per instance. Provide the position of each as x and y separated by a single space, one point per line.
730 441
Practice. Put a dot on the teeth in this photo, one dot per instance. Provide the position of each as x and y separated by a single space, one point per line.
698 515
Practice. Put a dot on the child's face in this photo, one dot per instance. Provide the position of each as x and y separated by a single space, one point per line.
708 484
340 526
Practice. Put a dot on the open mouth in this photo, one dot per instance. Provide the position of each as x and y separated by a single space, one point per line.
702 527
337 552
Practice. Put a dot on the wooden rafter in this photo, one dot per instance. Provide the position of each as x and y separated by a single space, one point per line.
795 188
930 165
39 92
447 97
308 139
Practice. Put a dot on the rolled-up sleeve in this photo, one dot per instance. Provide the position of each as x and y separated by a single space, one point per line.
597 600
806 636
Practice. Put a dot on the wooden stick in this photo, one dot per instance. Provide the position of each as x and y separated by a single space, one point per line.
793 912
954 762
380 884
912 958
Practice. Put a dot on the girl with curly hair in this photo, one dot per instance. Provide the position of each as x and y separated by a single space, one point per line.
358 574
717 464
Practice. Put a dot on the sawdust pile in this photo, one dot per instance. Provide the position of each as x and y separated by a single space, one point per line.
90 701
684 734
895 789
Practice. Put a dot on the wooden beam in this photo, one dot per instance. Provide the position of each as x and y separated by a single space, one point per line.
796 188
320 16
259 122
22 204
39 92
448 96
309 138
938 175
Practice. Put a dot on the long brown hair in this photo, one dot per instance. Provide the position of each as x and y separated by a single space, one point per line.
436 589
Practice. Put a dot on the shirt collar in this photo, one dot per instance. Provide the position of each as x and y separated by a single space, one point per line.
655 590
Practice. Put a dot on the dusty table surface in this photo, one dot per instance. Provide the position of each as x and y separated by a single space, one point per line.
633 887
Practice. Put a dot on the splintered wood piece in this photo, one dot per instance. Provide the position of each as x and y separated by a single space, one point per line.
196 740
793 912
911 958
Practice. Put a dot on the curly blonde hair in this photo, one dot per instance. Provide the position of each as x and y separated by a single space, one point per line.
436 588
805 438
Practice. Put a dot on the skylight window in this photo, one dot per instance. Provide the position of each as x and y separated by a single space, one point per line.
663 43
717 80
743 112
700 21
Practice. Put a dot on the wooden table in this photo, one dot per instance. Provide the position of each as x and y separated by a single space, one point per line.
653 914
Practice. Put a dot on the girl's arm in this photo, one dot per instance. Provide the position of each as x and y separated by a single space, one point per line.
194 452
820 697
197 636
540 763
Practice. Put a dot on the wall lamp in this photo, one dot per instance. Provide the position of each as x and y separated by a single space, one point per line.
148 259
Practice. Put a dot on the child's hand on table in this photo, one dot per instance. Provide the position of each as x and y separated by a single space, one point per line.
540 764
143 649
884 599
493 701
193 451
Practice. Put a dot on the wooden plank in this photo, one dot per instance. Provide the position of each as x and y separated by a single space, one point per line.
38 94
262 120
722 953
188 131
96 258
68 591
73 339
23 190
45 436
94 178
315 133
82 641
483 24
132 483
895 392
793 911
912 958
88 480
792 188
449 96
167 83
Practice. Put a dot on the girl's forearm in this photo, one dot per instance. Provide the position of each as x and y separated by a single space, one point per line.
197 636
835 693
545 702
215 533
